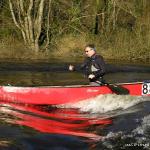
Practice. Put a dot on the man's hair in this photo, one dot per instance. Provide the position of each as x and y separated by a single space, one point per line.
92 46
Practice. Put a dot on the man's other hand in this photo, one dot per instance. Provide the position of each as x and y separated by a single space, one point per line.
91 76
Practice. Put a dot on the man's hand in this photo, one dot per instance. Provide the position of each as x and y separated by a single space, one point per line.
71 68
91 76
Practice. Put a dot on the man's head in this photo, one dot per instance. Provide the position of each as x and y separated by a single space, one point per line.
90 50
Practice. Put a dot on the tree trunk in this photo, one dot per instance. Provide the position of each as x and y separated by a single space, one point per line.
29 22
48 24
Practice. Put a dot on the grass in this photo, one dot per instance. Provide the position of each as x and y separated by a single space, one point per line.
121 45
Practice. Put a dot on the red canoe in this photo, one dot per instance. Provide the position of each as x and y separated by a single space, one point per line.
63 94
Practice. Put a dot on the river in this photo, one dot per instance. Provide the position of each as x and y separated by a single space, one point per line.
105 122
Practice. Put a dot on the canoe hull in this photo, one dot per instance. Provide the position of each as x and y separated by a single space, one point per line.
59 95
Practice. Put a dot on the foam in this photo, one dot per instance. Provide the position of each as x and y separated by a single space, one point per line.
105 103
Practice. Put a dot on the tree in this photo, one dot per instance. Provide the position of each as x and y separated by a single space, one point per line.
28 16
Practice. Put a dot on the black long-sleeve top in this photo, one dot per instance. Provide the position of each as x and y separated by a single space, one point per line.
94 65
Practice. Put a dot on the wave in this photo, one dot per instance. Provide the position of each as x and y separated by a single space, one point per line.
106 103
138 138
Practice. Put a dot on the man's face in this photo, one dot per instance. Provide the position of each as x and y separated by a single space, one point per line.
89 52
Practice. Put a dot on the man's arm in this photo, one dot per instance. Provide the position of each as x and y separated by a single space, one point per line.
79 67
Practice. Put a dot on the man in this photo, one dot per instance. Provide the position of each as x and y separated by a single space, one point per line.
93 65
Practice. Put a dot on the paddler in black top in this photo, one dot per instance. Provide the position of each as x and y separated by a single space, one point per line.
93 65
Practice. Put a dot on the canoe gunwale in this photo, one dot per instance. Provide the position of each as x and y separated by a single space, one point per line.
71 86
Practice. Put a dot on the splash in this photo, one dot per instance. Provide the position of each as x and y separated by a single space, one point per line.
106 103
138 138
145 126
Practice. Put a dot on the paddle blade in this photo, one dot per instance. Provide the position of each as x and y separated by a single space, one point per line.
118 89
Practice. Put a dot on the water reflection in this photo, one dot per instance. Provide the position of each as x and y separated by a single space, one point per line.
53 120
25 78
36 74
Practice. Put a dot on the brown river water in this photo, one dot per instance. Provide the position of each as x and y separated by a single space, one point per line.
105 122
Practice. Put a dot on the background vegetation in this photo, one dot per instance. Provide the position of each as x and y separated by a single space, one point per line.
41 29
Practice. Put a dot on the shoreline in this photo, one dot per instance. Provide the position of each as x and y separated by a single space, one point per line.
72 60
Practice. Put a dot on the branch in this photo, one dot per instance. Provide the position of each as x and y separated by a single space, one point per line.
75 29
48 23
38 22
124 9
19 14
30 24
21 7
99 14
13 14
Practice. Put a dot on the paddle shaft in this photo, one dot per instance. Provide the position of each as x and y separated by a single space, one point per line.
117 89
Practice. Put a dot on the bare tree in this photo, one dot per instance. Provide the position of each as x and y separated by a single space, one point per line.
28 18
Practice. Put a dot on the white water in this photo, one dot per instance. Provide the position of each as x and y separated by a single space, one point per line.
145 126
106 103
140 135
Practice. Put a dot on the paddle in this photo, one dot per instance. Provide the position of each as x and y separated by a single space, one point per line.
118 89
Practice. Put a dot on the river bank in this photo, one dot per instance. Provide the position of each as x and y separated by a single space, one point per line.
68 60
30 57
70 48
